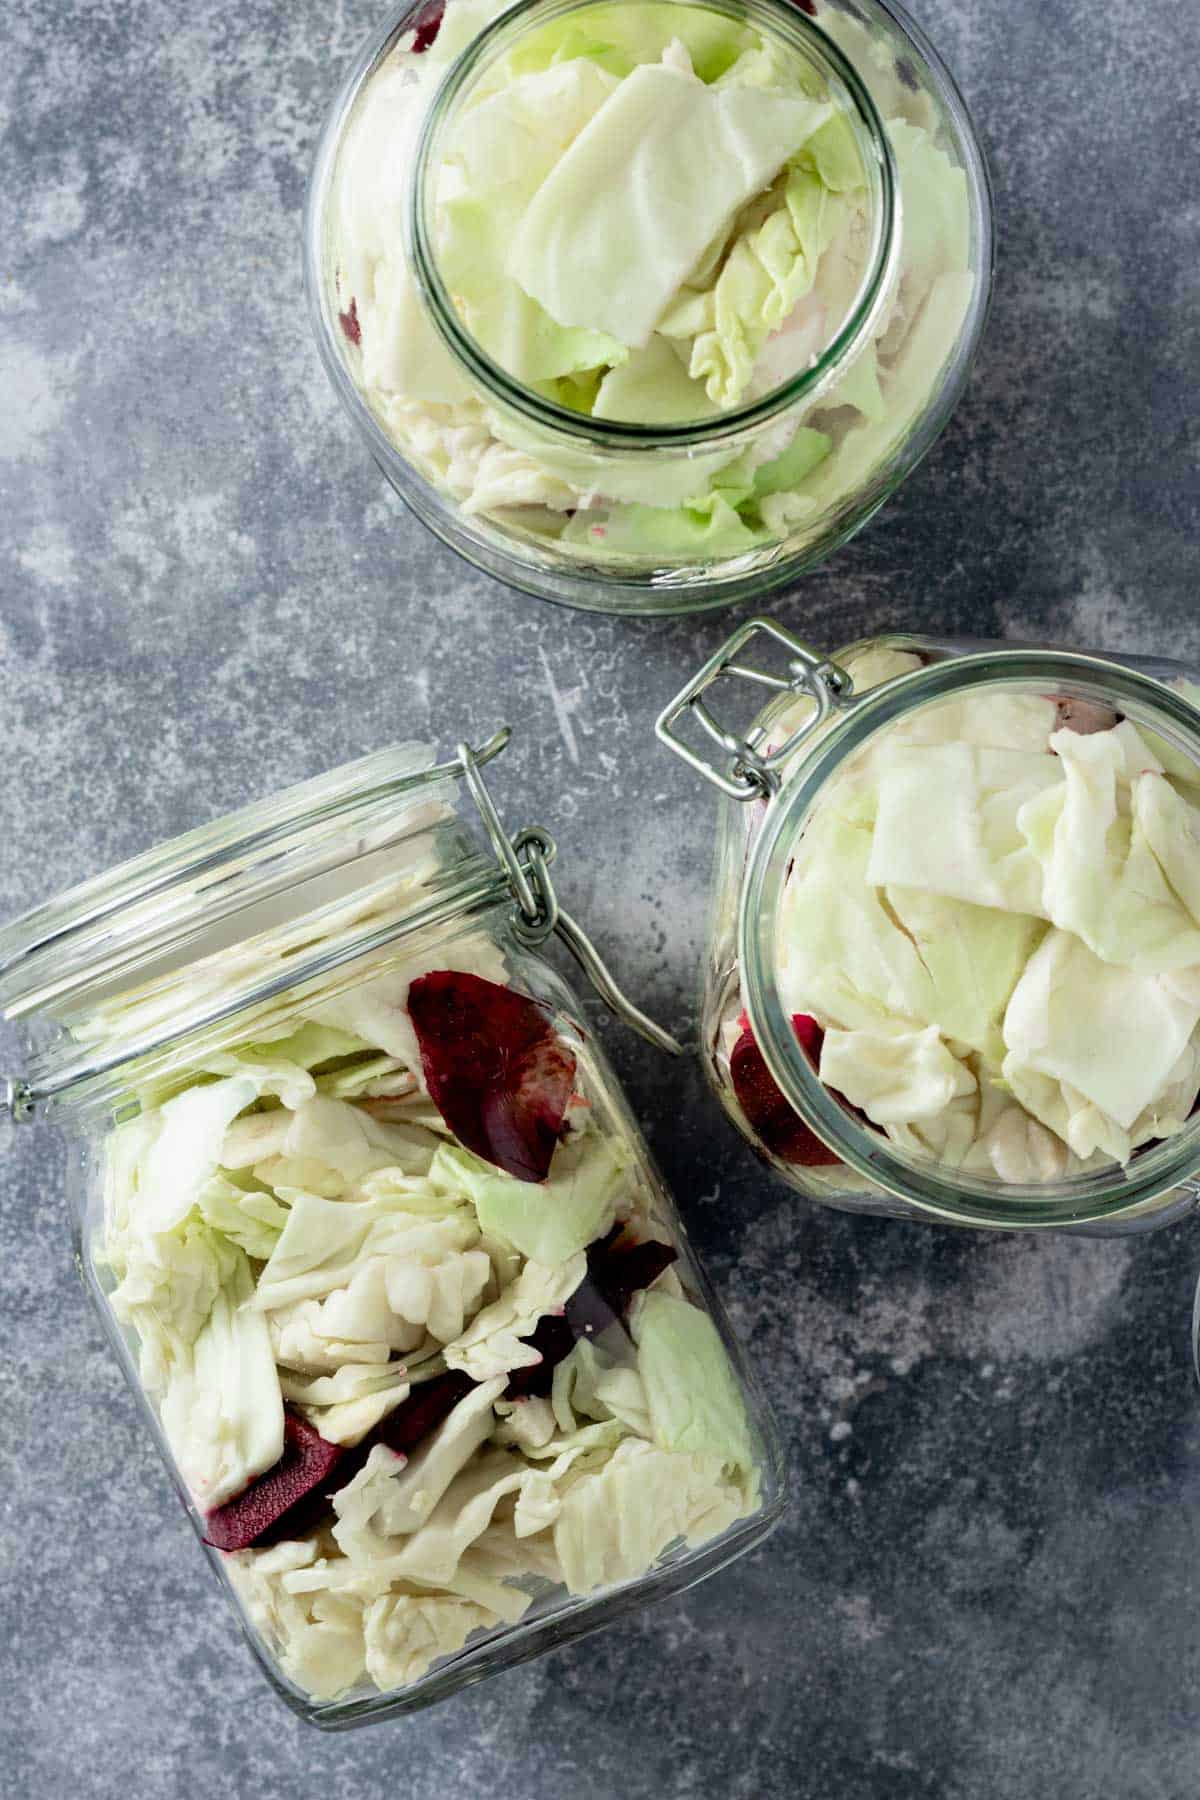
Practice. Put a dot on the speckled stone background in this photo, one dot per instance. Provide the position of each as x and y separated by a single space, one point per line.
988 1587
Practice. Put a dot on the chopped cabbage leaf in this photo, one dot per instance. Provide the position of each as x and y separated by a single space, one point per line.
706 528
492 1343
246 1216
391 1496
769 270
693 1396
345 1405
1109 1034
182 1146
380 1270
652 387
405 1634
620 37
689 156
591 1382
948 823
1101 877
546 1221
318 1636
220 1406
615 1524
895 1077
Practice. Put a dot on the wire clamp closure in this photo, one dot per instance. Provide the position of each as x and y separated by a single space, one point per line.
526 858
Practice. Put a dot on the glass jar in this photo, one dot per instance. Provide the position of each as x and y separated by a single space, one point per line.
293 1183
823 723
623 515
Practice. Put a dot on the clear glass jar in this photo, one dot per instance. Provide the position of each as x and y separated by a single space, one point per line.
228 1028
824 720
623 516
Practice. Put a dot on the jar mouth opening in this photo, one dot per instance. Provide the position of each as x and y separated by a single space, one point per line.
938 1189
778 18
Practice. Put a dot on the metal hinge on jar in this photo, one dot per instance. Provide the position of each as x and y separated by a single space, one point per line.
753 770
537 914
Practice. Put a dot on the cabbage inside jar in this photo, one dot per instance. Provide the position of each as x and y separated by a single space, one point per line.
653 294
985 938
410 1312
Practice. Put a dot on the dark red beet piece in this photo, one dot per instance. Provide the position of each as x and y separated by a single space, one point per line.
349 323
616 1272
766 1110
554 1340
402 1430
429 23
307 1462
494 1068
429 1403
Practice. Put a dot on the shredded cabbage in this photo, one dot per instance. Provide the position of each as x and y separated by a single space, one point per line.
298 1231
995 922
653 215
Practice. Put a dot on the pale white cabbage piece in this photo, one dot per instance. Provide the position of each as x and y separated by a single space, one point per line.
948 823
492 1343
248 1217
220 1406
631 207
895 1077
528 1421
327 1244
616 1523
1109 1034
393 1496
403 1634
318 1636
1102 878
597 1385
346 1404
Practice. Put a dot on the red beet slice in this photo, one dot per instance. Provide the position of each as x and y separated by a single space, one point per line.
1084 716
429 1403
616 1272
349 323
494 1068
307 1462
429 23
767 1112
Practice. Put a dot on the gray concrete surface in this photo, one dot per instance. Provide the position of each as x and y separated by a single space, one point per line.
987 1588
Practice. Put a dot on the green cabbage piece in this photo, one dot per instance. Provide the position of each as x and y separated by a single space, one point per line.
629 209
546 1221
768 271
694 1399
651 387
620 37
707 528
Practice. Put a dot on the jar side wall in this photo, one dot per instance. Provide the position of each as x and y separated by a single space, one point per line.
526 546
555 1617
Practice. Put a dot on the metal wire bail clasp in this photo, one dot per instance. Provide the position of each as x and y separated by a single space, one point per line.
754 771
525 859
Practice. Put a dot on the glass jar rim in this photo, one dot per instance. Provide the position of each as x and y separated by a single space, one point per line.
933 1189
101 937
785 21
